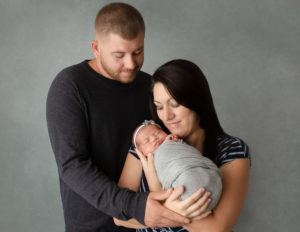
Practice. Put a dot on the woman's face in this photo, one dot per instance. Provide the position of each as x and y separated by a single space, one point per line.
179 120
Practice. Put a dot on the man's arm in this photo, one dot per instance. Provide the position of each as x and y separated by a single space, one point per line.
68 131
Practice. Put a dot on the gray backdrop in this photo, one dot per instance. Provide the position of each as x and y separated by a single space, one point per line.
249 51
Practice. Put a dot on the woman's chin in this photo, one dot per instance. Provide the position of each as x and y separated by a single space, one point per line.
174 131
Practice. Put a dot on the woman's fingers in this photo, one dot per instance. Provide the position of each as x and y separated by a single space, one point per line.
150 163
201 204
140 154
142 157
199 211
203 215
176 193
195 199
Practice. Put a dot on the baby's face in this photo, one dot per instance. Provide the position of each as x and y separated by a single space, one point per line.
149 138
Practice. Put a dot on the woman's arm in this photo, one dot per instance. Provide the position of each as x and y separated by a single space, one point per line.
131 174
235 180
193 207
130 178
147 162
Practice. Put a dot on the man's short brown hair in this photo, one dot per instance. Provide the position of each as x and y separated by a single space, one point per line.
119 18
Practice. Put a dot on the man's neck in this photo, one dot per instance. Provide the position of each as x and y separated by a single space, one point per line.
93 64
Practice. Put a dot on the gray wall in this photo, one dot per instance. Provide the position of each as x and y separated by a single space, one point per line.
249 51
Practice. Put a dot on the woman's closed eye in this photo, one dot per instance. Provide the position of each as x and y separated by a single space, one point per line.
158 107
174 104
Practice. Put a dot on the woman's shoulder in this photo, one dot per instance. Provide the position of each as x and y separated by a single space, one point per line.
133 152
231 148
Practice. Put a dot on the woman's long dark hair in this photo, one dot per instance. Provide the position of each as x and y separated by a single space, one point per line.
188 86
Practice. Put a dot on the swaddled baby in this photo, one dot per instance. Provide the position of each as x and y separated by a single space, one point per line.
178 163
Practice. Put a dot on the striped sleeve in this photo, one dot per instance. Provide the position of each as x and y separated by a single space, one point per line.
231 148
143 184
132 152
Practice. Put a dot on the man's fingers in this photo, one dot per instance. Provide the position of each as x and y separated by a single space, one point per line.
174 218
166 222
161 196
158 216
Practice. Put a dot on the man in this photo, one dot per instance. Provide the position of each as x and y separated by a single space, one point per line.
92 109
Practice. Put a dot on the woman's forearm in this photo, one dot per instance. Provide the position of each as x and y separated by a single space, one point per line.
131 223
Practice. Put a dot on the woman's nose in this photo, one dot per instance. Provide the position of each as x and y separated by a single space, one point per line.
168 114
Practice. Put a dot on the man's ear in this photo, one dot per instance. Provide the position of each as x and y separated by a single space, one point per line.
95 48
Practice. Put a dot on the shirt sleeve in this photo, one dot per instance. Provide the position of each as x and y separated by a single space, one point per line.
133 152
232 148
68 132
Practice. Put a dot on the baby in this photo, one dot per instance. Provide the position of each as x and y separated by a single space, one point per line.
178 163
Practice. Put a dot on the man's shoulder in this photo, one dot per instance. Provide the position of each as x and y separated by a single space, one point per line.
71 72
68 78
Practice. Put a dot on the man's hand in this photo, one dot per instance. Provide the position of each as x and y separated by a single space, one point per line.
157 215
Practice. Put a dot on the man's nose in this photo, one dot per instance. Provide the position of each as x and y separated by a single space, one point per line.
129 62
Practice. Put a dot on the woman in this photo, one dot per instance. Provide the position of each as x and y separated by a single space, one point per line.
182 101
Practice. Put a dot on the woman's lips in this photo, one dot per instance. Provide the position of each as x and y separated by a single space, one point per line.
173 124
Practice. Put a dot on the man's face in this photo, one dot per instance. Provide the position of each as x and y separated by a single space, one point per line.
120 59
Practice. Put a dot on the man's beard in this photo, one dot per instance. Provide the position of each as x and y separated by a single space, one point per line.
116 75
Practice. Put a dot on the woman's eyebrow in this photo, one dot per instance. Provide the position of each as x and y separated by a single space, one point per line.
169 99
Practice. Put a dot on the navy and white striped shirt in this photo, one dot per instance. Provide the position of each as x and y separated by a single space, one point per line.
230 148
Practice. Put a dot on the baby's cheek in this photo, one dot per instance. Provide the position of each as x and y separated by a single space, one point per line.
144 150
148 150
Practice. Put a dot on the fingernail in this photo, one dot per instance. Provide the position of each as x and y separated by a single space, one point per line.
186 221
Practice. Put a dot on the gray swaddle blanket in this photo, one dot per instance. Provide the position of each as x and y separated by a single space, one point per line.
178 164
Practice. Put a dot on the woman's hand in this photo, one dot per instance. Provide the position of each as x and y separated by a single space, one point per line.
150 171
172 137
193 207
